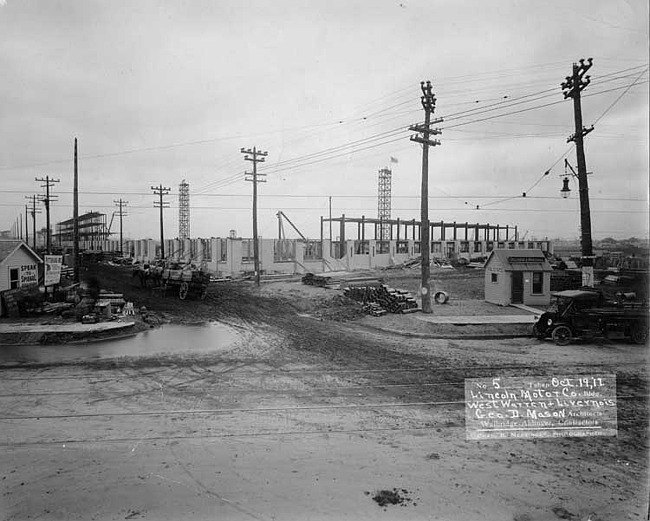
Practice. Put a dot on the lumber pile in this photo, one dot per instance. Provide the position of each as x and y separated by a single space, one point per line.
407 264
338 279
379 297
55 308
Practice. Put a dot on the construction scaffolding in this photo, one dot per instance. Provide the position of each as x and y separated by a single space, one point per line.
383 202
184 210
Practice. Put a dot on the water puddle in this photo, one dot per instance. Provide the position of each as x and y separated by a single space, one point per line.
166 340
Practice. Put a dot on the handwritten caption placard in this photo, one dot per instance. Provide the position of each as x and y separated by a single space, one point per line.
540 406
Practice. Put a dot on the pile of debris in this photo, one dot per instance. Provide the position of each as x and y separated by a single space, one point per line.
379 299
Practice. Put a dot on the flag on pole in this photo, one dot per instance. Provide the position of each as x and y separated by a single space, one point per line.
393 159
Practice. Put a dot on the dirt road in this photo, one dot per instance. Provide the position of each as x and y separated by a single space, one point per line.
309 419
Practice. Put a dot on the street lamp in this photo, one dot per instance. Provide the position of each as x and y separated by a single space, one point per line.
566 190
585 220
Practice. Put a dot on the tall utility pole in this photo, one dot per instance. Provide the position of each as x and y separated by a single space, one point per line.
572 87
75 216
428 100
121 204
255 156
26 226
46 201
161 191
33 210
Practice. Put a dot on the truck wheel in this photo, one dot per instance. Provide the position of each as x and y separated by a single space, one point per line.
562 335
639 333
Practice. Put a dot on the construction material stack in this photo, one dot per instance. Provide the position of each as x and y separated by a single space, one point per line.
379 297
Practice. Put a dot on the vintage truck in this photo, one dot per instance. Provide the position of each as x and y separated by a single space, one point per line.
586 313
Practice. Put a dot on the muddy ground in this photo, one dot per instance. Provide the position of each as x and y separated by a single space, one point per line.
308 418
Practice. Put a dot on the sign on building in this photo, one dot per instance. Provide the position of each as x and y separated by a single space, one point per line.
28 275
53 265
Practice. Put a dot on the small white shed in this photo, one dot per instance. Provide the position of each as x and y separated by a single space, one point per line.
18 266
518 277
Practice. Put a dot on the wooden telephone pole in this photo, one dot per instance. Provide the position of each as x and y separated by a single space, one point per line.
428 104
572 87
46 201
121 204
255 156
33 209
161 191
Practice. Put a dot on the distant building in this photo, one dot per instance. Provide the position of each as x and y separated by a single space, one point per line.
92 231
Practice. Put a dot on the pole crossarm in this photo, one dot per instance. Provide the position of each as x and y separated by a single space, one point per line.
584 132
430 142
573 85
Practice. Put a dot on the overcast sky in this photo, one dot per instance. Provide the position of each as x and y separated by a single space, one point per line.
158 92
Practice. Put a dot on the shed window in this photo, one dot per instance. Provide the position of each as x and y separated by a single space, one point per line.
538 282
14 278
402 247
494 277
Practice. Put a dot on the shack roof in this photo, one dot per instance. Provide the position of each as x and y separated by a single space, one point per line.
9 246
520 260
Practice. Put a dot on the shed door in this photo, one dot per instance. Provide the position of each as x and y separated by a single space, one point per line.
517 295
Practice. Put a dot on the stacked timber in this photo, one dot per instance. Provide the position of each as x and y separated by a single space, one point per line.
338 279
390 300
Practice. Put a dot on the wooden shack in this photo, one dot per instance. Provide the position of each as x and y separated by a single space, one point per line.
515 276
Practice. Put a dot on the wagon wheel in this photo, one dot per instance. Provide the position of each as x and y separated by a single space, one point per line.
182 290
639 333
562 335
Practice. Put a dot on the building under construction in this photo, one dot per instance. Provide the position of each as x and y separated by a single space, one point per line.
93 232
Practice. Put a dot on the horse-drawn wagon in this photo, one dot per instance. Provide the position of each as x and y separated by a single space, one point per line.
187 281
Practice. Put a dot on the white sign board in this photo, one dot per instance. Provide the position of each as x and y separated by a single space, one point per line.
53 269
28 275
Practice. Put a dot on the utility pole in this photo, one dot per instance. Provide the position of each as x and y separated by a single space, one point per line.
75 215
46 201
255 156
121 204
428 100
26 226
33 210
161 191
572 87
